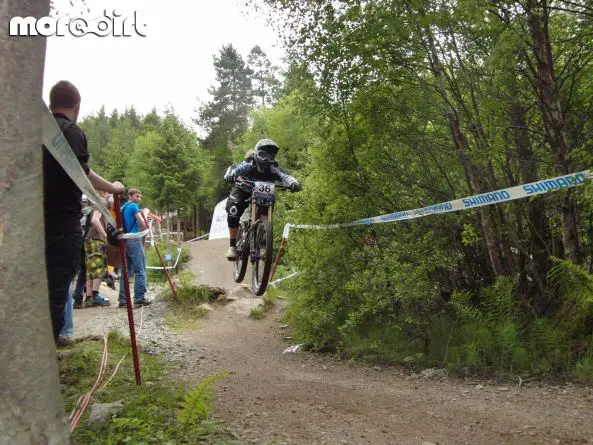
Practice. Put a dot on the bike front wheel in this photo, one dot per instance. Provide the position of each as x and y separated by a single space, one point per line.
240 264
263 257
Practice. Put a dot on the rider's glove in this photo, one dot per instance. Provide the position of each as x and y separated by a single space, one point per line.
229 178
295 187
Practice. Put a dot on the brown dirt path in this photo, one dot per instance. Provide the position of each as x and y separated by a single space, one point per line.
302 398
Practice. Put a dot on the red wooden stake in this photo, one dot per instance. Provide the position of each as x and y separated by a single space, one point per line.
162 262
129 307
280 249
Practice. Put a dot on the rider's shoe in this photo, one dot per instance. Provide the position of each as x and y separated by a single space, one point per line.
231 254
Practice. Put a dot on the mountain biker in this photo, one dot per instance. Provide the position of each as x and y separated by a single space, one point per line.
259 165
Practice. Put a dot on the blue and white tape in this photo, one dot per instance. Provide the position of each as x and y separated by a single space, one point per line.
60 149
485 199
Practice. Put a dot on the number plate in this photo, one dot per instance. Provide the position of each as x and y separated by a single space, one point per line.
263 190
263 193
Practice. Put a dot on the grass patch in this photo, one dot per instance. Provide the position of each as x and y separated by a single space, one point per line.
159 411
180 321
257 313
152 259
269 300
185 305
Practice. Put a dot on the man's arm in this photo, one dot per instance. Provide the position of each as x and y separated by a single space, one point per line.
101 184
96 222
141 221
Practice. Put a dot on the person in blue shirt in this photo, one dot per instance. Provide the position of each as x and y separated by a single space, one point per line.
133 222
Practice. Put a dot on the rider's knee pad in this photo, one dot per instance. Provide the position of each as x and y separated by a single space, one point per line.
233 215
232 221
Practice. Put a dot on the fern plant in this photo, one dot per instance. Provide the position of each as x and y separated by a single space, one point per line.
197 404
461 303
498 301
573 282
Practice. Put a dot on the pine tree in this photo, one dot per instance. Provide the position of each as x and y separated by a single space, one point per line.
264 76
152 119
226 116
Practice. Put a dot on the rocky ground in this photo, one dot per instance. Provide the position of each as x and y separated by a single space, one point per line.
272 396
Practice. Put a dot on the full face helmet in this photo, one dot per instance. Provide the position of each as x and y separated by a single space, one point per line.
265 153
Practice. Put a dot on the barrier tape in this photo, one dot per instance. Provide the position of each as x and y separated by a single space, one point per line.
60 149
168 267
288 277
198 238
471 202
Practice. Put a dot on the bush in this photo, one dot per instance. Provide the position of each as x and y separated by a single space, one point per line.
472 333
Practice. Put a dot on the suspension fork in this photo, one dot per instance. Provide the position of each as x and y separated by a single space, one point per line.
253 231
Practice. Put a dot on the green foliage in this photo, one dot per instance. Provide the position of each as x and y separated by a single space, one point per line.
265 82
159 155
185 310
268 299
188 294
156 412
153 260
226 115
166 162
469 235
584 369
393 106
197 403
257 313
461 302
573 282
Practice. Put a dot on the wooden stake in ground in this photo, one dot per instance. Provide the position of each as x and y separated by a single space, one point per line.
129 307
156 247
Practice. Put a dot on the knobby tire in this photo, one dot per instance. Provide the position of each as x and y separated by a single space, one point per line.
240 264
263 235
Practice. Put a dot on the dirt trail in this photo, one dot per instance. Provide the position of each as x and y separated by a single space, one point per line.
271 397
303 398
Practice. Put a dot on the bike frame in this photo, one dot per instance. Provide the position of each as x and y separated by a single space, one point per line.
255 209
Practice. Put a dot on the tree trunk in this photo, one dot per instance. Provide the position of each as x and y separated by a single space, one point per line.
553 118
539 229
194 220
479 177
32 411
179 226
203 217
168 236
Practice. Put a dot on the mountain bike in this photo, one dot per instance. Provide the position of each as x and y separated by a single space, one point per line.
255 237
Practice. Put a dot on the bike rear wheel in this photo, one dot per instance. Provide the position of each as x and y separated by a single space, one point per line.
263 257
240 264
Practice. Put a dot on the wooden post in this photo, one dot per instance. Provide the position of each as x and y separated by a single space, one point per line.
129 307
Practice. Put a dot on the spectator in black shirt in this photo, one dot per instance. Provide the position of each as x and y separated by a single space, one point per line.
63 203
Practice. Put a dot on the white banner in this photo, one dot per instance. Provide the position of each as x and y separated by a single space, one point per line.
498 196
219 227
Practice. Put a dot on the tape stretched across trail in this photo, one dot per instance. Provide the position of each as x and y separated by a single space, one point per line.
59 148
484 199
